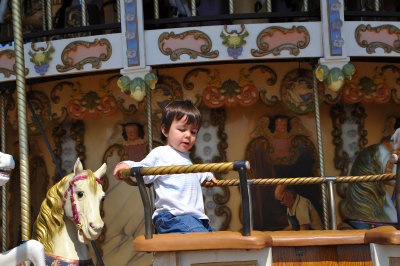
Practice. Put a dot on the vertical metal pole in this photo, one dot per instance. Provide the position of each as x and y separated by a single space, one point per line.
119 10
44 15
250 205
231 8
4 188
241 168
150 139
269 6
332 205
148 226
376 5
397 193
193 4
305 6
156 10
320 153
22 125
49 15
83 13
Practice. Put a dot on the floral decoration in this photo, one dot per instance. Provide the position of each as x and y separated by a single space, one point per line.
41 58
234 41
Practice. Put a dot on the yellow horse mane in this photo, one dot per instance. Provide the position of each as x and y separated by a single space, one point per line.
50 218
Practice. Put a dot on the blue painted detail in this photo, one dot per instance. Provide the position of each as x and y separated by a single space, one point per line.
131 26
335 23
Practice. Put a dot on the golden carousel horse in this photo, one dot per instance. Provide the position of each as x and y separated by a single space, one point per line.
70 218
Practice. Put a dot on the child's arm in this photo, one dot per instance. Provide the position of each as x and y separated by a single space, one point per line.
121 166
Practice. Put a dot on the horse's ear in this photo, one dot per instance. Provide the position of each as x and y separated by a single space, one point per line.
396 138
78 168
101 171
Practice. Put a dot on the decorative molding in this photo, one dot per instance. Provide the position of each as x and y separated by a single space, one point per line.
234 40
276 39
349 137
270 81
42 108
40 57
7 63
211 150
297 91
366 91
336 42
193 43
385 36
79 53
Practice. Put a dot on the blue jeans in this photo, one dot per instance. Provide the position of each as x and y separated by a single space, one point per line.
167 223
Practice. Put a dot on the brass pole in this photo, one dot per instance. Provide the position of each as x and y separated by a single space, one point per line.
22 127
4 188
49 15
156 10
321 154
83 13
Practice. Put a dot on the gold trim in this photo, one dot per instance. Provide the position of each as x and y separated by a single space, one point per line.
95 61
371 47
294 49
175 54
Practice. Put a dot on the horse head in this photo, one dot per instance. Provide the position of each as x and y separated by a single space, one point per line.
82 197
69 217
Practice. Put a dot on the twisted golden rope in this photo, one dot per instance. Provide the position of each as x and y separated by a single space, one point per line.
304 180
228 166
180 169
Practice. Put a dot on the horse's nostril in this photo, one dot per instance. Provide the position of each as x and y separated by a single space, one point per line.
95 227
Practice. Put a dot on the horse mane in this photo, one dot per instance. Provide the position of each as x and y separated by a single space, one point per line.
366 200
51 214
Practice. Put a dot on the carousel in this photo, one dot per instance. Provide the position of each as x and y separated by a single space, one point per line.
300 126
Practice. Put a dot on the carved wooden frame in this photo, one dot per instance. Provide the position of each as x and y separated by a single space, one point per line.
371 47
175 54
294 49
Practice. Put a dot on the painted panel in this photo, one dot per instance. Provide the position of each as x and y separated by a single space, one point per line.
75 55
157 57
372 38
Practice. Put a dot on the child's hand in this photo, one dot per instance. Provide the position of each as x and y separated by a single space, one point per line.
119 168
214 180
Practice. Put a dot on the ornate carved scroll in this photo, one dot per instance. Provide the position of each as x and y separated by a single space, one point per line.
79 53
385 36
7 63
276 39
193 43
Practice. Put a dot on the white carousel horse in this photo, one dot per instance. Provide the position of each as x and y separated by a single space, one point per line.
368 204
31 250
69 217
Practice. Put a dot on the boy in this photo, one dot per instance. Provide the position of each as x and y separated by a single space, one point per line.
179 199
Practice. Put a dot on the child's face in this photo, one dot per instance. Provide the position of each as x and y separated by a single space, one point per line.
181 136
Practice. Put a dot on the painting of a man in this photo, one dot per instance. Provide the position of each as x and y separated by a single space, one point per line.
301 214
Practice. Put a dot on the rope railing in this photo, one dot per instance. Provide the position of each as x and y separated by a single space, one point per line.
181 169
229 166
304 180
134 176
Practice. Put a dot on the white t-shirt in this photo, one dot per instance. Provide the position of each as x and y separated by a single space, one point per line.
178 193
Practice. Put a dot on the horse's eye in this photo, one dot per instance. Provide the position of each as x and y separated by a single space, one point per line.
80 194
103 198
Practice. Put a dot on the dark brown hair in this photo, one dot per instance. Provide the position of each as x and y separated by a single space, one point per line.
178 109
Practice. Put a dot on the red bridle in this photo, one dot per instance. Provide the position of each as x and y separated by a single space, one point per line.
73 204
